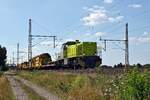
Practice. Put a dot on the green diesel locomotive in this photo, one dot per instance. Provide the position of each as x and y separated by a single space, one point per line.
76 54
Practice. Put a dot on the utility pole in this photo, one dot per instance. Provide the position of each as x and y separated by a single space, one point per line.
126 41
13 59
17 54
126 48
30 36
54 39
30 45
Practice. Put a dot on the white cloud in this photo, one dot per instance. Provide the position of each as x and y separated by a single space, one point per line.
115 19
99 33
146 34
50 44
119 17
108 1
135 6
95 17
144 38
98 15
93 35
47 43
87 34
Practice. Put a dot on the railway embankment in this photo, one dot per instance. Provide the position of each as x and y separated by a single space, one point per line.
130 85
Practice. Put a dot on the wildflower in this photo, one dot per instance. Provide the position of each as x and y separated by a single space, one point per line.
109 90
110 94
115 92
106 90
105 94
114 85
122 83
117 87
112 81
119 77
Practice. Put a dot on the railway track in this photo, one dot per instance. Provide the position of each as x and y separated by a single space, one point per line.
108 71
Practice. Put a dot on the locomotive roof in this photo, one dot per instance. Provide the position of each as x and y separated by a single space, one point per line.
71 42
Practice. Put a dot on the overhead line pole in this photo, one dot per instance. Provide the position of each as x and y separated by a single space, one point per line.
17 54
30 43
126 41
54 40
126 48
13 59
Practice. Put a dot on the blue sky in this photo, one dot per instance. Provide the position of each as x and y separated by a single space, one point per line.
85 20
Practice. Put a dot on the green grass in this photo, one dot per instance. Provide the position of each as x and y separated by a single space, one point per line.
93 87
32 95
1 73
69 86
5 89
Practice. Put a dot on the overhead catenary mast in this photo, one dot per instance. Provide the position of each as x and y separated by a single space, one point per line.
17 54
126 48
13 59
30 45
30 36
126 41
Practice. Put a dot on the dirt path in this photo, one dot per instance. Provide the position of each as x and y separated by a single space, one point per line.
17 90
40 91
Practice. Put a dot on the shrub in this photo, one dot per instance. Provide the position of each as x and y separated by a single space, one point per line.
137 85
78 82
64 87
4 68
134 85
1 73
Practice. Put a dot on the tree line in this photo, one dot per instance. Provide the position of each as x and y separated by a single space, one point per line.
3 57
120 65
